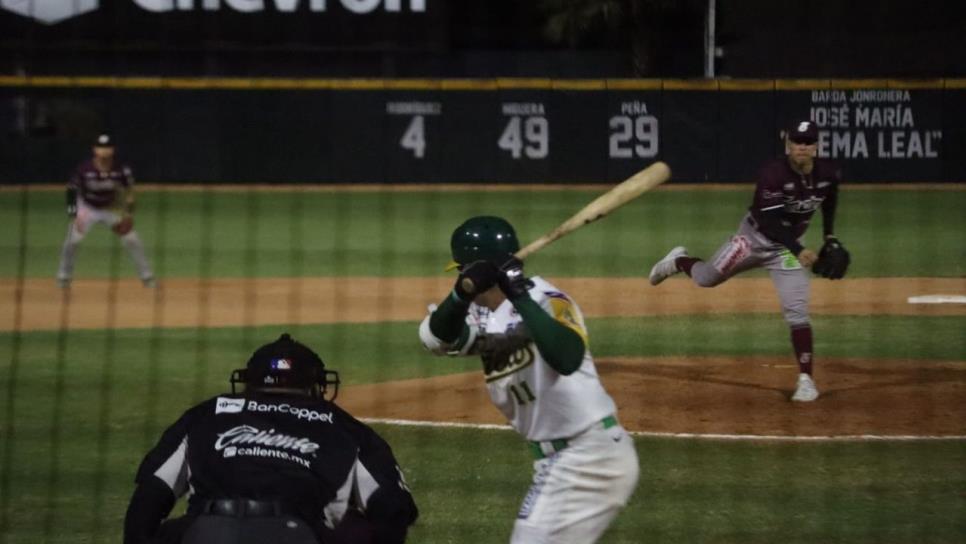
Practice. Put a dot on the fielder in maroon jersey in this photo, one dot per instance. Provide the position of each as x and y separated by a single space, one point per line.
101 190
789 191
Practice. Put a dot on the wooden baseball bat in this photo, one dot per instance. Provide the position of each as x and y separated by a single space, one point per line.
620 194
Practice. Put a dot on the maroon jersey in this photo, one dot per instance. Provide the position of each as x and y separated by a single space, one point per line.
794 197
97 188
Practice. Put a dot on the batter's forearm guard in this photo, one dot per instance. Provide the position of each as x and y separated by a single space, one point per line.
447 322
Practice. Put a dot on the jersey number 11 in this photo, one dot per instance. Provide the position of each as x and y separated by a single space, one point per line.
525 397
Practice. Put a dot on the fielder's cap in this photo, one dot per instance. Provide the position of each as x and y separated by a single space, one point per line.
283 363
104 140
803 132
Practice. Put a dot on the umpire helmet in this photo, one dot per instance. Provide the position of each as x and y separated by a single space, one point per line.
287 364
483 238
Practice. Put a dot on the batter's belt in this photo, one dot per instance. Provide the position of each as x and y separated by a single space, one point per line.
541 450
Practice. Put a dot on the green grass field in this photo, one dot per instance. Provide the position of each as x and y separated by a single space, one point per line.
216 234
79 408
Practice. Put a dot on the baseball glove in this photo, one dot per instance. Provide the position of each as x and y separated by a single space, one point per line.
123 226
833 260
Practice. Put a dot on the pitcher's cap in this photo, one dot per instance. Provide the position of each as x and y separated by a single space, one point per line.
104 140
803 132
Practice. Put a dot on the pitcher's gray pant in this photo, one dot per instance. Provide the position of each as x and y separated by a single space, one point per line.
749 249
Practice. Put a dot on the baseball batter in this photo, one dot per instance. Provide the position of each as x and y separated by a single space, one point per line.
539 373
789 191
102 191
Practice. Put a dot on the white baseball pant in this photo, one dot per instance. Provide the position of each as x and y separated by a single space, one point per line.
577 492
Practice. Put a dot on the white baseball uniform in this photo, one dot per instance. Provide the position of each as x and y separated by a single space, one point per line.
587 466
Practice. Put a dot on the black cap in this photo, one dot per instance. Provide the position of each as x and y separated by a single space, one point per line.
284 363
803 132
104 140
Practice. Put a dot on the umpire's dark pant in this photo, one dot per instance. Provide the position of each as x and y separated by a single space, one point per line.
214 529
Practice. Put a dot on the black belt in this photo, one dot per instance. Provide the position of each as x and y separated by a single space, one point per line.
245 508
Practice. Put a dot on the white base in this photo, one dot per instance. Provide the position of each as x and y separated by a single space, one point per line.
938 299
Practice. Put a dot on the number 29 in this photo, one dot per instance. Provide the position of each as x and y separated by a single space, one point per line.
633 136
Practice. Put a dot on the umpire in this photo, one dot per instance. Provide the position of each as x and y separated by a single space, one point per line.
278 463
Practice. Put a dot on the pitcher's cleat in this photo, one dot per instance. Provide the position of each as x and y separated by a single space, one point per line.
806 391
666 267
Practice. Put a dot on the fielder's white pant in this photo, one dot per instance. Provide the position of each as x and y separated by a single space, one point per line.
577 492
88 216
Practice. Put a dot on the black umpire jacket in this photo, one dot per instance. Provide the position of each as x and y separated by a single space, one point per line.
307 453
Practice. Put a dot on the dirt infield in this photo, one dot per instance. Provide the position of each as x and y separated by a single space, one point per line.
675 395
718 395
37 304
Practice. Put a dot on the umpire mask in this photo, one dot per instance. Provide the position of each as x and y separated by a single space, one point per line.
287 364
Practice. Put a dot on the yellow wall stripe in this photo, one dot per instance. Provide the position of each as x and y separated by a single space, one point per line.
915 83
469 85
801 84
859 84
746 84
493 84
580 84
691 84
414 84
634 84
521 83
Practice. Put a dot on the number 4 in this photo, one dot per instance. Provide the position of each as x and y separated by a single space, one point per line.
415 137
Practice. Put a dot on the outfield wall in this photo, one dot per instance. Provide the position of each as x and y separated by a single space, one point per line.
492 130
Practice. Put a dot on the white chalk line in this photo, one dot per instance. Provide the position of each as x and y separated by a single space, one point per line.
699 436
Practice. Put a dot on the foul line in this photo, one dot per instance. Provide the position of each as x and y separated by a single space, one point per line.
700 436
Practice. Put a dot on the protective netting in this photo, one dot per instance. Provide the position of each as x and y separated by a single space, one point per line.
94 372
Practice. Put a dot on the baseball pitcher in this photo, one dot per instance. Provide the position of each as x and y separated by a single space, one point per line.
789 191
540 374
102 191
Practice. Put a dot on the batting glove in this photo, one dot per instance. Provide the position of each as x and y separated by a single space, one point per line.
512 281
482 276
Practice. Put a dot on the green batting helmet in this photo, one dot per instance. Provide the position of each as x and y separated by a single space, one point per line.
482 238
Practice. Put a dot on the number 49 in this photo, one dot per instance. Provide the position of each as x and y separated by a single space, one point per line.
526 136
